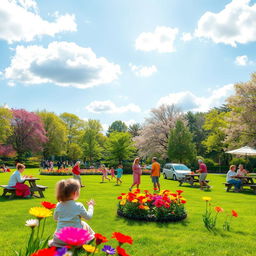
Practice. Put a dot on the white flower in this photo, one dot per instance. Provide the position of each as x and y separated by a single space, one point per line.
68 254
32 223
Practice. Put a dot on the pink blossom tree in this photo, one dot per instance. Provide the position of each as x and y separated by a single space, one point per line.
28 132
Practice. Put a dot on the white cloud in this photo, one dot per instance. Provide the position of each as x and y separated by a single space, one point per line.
143 71
187 101
63 64
130 122
242 60
186 37
108 106
20 21
161 40
236 23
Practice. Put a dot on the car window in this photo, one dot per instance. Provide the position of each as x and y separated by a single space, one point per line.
167 166
180 167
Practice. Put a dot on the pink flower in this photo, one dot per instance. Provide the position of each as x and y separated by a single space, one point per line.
74 236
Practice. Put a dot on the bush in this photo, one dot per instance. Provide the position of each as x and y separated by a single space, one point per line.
210 162
237 161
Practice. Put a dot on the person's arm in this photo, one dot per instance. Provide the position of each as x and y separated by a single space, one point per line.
86 214
19 178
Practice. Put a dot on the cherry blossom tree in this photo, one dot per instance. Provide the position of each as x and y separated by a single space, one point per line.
28 132
153 137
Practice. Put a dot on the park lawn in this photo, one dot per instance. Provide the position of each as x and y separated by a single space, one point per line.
188 237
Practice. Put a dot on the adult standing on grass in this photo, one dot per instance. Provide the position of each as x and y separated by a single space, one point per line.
137 171
231 175
76 172
155 173
203 174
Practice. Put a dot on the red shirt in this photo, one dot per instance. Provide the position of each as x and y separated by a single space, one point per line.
76 170
202 168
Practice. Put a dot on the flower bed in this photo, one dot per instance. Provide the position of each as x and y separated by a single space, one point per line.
163 207
67 171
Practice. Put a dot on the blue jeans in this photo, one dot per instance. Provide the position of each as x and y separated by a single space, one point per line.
237 183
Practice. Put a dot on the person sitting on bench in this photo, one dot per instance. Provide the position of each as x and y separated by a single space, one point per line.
231 174
17 181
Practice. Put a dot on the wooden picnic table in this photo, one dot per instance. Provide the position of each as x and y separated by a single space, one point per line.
247 181
35 187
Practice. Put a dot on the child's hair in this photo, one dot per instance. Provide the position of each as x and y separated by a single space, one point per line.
120 165
65 189
20 166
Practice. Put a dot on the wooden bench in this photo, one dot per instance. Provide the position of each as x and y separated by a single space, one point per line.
8 190
191 182
39 189
228 186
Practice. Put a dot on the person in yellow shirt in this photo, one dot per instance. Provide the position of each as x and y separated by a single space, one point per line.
155 173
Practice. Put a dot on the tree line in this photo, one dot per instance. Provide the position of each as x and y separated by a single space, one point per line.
167 133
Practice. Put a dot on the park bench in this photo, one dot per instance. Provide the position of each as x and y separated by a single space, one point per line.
8 190
39 189
251 186
190 181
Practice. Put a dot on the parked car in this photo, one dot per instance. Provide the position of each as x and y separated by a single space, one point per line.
175 171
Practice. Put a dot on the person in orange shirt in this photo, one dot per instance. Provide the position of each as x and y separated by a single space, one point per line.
155 173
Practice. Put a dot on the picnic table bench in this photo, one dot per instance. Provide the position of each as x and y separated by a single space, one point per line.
247 181
34 189
192 179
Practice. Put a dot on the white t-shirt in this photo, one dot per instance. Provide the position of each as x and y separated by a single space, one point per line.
230 174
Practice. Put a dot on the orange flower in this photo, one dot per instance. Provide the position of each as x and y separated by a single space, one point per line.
218 209
234 213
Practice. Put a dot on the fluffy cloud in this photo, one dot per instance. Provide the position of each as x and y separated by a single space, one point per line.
236 23
161 40
108 106
20 21
143 71
187 101
242 60
63 64
186 37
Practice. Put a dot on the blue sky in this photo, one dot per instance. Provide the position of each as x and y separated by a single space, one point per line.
113 59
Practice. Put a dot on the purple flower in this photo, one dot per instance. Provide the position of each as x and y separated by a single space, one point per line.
108 250
61 251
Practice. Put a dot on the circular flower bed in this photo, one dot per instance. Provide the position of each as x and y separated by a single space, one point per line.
163 207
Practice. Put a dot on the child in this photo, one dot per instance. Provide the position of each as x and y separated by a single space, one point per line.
104 173
17 181
68 213
112 172
119 174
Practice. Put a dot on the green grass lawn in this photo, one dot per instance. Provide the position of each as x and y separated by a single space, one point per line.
150 239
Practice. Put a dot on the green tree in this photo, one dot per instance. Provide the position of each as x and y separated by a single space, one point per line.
195 124
119 147
56 132
5 124
92 140
134 129
74 128
215 125
117 126
75 151
180 145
